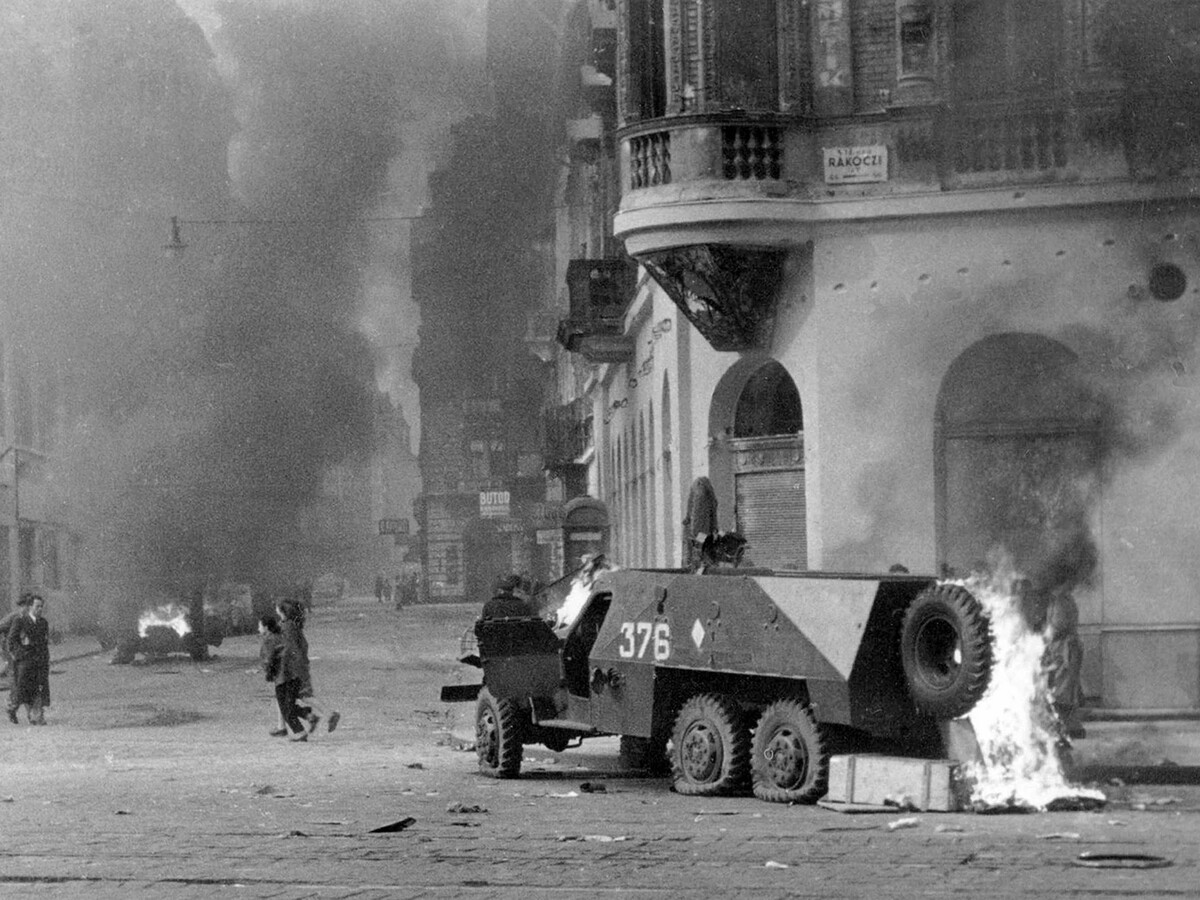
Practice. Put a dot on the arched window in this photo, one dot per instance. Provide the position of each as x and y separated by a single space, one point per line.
768 463
769 404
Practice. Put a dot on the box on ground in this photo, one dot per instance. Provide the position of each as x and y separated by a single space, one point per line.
925 784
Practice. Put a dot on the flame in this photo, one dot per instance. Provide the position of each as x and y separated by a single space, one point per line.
581 589
1014 722
171 615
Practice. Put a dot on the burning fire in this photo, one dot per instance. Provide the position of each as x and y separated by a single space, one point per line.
169 615
581 589
1014 722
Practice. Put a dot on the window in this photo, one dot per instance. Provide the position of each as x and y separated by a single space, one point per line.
748 55
769 404
1003 48
647 61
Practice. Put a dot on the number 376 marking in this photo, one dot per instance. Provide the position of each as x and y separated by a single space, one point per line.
638 637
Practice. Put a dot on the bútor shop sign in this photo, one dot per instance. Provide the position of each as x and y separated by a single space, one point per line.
855 165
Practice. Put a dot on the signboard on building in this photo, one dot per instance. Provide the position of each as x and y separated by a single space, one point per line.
393 526
493 504
855 165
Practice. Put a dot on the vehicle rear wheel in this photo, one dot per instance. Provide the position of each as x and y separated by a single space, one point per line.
789 762
498 736
710 752
946 650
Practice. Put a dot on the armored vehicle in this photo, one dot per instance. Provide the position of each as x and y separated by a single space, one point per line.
751 678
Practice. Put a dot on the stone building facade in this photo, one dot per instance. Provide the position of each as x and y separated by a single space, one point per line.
917 283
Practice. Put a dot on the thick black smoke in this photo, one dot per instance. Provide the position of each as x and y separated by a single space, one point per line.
211 394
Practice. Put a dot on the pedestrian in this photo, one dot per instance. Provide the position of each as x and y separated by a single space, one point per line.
398 590
269 652
379 580
5 625
293 680
29 645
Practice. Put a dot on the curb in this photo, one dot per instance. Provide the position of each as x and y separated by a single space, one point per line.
1189 775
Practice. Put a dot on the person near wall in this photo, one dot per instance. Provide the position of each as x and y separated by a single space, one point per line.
1063 661
29 645
5 625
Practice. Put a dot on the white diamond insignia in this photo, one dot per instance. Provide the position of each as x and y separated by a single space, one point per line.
697 634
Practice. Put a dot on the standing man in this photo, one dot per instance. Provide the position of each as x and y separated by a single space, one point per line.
29 646
5 625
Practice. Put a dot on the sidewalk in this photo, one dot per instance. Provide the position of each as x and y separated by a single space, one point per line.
1163 751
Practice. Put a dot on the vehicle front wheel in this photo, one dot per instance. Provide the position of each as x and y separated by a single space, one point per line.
498 736
710 753
789 762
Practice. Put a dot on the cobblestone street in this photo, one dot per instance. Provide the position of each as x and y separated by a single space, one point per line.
160 779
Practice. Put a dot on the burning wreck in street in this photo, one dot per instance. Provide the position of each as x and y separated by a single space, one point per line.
739 679
170 628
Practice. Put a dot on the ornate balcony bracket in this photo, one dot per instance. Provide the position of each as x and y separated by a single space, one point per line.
729 293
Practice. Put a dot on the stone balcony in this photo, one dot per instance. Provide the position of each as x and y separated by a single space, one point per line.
733 178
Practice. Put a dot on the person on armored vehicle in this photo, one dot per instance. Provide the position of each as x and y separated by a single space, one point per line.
512 598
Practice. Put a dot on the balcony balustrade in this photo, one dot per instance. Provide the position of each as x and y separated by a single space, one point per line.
741 156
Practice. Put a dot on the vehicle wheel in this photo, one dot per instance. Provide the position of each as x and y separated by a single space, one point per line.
644 754
498 736
946 650
789 762
711 747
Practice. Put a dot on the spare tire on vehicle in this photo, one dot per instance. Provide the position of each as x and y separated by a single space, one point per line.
946 651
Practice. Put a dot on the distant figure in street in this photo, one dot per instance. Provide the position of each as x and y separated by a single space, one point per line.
5 625
269 652
511 598
380 586
29 646
397 584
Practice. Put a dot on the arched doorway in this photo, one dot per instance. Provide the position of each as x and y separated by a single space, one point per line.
767 449
1017 460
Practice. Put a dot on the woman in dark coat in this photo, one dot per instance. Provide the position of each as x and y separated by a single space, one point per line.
292 677
29 646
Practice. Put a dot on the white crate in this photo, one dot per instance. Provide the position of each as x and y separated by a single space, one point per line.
868 779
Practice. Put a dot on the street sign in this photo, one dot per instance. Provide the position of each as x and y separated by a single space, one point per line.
393 526
493 504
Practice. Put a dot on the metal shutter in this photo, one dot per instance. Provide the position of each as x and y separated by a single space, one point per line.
771 516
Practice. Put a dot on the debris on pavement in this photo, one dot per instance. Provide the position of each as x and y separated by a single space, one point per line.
855 808
771 864
392 827
459 807
415 765
565 796
589 787
908 822
594 838
1094 860
1060 836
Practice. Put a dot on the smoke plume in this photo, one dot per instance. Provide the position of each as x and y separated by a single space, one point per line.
213 395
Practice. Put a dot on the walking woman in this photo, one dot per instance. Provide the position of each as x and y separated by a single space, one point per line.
29 647
292 677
